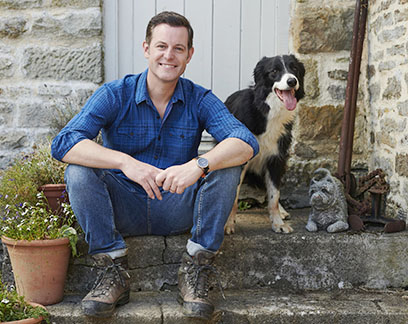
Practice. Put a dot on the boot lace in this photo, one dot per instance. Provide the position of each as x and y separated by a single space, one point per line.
199 279
107 277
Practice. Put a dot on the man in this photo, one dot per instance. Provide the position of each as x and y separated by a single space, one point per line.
146 179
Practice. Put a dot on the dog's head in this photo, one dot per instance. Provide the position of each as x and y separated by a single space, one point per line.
282 75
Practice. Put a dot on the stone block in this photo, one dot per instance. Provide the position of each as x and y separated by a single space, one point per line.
12 139
337 92
403 108
21 4
338 75
12 27
326 121
51 90
76 3
34 114
317 29
6 66
386 66
84 23
6 113
312 89
393 90
401 164
387 35
64 63
401 16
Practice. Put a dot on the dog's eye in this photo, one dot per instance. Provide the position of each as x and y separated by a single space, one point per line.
274 72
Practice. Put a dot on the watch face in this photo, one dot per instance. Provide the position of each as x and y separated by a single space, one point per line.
202 162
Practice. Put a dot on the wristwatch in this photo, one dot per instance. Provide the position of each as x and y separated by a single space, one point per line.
202 163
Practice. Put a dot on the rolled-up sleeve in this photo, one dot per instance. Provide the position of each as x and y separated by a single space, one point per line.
221 124
96 114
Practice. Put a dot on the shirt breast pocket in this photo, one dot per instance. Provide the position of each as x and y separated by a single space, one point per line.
182 143
130 139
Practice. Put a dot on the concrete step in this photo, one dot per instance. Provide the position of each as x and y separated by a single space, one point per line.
256 257
254 307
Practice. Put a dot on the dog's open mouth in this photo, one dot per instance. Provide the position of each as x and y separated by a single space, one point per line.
287 97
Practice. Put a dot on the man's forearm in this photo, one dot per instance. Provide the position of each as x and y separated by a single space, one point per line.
90 154
228 153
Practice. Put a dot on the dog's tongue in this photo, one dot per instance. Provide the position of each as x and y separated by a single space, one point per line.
289 99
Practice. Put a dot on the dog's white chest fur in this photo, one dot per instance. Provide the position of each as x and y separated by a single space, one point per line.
278 117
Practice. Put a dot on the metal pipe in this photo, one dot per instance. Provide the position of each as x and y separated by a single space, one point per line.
347 129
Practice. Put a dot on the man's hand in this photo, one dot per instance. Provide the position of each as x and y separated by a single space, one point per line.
177 178
145 175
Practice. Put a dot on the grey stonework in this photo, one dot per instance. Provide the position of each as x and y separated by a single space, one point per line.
63 63
51 61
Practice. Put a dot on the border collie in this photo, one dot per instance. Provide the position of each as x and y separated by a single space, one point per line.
268 110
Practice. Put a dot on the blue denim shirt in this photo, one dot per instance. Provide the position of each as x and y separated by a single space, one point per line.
131 124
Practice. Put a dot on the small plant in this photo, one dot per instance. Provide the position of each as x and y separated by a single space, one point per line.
243 205
13 307
26 221
19 183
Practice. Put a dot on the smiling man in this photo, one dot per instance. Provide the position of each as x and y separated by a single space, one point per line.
147 177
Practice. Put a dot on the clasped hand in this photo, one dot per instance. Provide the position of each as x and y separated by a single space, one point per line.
174 179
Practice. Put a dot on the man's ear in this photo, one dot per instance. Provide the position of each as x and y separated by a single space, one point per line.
190 54
146 49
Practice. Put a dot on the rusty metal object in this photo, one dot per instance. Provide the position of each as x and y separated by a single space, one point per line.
362 209
347 128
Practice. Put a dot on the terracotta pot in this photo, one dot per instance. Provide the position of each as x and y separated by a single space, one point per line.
40 268
56 194
27 320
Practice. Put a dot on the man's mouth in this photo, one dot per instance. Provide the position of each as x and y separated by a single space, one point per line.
287 97
168 66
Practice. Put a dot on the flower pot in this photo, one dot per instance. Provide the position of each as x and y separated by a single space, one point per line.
40 268
27 320
56 194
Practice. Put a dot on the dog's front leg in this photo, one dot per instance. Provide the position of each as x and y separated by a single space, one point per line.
278 225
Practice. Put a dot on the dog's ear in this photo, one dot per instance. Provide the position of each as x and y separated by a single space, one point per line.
259 70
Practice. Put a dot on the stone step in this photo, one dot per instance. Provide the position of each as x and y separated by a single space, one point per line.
254 306
256 257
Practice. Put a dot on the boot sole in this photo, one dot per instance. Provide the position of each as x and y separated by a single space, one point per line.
108 309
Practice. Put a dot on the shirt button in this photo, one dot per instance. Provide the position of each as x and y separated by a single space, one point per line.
159 138
156 157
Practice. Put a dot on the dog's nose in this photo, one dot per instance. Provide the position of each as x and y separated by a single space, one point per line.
292 82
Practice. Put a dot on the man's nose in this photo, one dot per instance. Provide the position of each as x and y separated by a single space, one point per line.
169 53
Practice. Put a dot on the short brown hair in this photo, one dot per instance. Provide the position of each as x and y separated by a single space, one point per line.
170 18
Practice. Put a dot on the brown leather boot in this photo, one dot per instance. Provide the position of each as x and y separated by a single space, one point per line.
193 281
111 288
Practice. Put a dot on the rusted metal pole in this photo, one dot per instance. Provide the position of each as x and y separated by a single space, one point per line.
347 129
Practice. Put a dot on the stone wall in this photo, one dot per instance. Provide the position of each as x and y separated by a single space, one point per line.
321 35
51 61
388 89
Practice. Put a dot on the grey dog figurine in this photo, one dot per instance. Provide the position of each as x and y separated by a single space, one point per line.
328 203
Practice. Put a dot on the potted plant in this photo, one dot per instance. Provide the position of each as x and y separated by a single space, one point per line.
30 173
39 242
15 309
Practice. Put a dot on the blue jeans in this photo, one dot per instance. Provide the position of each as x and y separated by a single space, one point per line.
108 208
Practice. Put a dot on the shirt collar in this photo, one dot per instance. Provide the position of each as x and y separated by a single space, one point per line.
143 95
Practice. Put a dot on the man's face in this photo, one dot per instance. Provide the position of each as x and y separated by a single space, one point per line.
167 53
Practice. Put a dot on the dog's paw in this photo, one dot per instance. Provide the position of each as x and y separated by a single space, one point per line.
283 213
229 228
282 228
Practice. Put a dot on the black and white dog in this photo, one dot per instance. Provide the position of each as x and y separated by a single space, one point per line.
268 110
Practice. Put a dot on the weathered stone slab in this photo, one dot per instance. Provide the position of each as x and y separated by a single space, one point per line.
64 63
